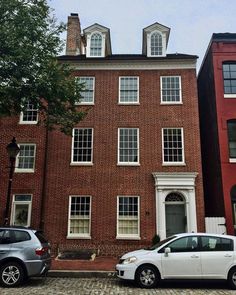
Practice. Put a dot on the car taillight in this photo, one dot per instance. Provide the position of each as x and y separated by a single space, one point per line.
41 251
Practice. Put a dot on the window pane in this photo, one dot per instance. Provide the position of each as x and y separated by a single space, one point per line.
21 214
128 89
82 145
30 114
229 75
171 89
87 92
156 44
232 138
26 156
80 215
128 216
128 145
172 145
96 45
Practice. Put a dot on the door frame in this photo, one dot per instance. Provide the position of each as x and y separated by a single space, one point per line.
182 183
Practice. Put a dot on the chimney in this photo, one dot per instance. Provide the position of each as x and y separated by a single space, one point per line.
73 41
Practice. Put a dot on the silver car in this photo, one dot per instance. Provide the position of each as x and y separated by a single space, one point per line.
23 253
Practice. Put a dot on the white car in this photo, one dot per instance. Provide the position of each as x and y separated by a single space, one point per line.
182 256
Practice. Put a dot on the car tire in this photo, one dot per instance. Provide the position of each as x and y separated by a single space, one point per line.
147 276
11 274
232 278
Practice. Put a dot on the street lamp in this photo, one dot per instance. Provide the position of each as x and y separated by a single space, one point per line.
12 150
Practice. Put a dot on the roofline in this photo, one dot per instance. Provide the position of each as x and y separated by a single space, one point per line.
217 37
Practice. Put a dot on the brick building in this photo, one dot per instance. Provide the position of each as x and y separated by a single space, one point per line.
132 168
217 100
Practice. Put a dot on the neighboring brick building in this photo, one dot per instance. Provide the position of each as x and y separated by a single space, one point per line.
132 168
217 100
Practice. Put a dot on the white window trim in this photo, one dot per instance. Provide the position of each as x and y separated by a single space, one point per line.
149 44
72 150
129 102
21 203
19 170
229 95
162 143
180 94
79 236
232 160
89 44
127 237
82 102
118 152
21 122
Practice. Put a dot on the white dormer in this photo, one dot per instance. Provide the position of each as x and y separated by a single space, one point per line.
155 40
98 42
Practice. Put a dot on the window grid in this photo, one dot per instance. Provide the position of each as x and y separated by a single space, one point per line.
232 138
128 89
172 145
79 223
171 89
156 44
229 74
82 145
128 216
30 114
128 145
26 157
87 92
96 45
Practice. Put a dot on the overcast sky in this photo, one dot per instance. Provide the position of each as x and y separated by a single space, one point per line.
192 22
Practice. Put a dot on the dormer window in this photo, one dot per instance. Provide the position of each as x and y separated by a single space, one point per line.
96 45
155 40
156 44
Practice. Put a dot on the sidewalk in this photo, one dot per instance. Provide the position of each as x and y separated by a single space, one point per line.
101 266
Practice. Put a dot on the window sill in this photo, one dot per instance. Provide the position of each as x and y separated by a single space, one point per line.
84 103
233 95
28 122
174 164
171 103
78 237
128 238
128 103
232 160
23 171
129 164
81 164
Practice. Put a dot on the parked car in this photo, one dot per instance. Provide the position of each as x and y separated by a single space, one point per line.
23 253
182 256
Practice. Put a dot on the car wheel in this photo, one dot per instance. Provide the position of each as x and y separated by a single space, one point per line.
147 276
232 278
11 274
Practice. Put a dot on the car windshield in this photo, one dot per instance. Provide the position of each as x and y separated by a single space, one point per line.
157 245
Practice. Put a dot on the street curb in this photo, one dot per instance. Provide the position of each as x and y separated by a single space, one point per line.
80 274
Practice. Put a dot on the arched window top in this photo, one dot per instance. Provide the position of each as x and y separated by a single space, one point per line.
96 45
156 44
233 193
174 197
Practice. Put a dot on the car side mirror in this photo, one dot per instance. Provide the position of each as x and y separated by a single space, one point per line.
167 251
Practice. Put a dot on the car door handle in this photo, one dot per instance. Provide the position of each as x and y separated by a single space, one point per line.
194 256
228 255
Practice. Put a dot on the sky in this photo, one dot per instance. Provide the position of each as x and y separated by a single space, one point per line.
192 22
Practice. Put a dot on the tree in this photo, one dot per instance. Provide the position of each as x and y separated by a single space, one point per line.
29 69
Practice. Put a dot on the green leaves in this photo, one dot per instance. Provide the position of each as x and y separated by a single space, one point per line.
29 70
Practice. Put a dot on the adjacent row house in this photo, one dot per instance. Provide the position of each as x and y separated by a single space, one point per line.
131 168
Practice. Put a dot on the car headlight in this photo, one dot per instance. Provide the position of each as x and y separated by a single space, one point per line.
128 260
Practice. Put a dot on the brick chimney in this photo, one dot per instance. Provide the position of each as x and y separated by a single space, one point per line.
73 41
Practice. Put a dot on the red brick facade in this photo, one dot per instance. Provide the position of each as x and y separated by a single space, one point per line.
104 180
216 108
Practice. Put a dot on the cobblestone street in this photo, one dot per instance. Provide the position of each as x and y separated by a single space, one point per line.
111 286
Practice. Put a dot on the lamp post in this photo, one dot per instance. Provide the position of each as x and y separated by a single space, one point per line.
12 150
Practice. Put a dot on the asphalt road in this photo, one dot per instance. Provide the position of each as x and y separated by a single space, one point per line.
111 286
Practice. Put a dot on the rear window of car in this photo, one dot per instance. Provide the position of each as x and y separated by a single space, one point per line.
41 237
216 244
